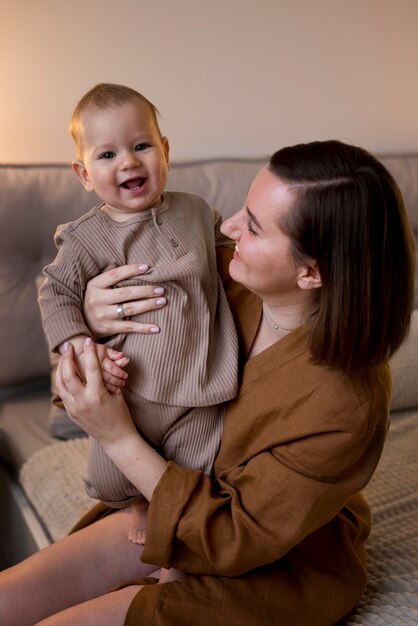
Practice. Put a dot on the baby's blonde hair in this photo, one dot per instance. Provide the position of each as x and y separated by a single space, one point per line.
104 96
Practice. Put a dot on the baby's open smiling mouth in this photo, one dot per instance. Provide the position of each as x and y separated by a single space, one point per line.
133 183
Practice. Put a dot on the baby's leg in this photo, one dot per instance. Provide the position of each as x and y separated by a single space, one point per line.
138 530
138 533
193 440
105 481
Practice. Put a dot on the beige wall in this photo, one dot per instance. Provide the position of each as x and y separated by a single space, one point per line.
230 77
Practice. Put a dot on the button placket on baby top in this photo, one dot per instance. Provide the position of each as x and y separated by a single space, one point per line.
172 240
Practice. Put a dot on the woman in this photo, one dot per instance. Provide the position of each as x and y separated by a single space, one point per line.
323 271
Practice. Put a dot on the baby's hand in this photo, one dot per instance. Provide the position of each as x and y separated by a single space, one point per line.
112 362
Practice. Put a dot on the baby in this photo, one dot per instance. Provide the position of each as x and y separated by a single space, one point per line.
179 377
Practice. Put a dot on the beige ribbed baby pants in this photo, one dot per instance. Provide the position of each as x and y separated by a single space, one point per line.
189 436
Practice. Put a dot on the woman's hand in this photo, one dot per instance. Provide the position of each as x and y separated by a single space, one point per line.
101 301
112 362
102 414
106 418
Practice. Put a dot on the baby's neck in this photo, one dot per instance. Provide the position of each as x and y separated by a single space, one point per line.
122 215
118 215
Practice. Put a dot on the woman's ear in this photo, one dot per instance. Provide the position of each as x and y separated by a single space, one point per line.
309 276
80 170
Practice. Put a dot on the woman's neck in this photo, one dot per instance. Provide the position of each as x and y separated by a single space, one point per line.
276 323
284 319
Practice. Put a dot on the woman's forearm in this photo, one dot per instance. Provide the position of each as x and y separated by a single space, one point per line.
140 463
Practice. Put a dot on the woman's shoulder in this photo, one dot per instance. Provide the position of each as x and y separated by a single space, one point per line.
284 379
353 402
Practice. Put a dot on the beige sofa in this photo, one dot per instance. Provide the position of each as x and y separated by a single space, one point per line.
42 454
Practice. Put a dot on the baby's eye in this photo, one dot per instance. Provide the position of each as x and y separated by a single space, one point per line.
107 155
251 229
141 146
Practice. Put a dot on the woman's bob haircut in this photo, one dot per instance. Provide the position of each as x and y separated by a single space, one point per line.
349 216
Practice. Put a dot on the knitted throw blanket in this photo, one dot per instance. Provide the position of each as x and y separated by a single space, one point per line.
391 596
53 481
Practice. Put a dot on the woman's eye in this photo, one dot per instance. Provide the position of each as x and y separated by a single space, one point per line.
251 229
107 155
141 146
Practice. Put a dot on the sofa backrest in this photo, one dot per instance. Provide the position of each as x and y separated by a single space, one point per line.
36 198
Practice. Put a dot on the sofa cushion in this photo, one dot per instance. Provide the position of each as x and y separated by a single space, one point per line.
34 200
404 368
23 426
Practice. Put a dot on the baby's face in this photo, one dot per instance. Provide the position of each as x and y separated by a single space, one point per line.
125 159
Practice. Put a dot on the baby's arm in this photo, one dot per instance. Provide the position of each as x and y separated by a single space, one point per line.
77 342
61 303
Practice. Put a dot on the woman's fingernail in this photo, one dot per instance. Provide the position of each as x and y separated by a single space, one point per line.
159 291
66 346
88 341
143 268
154 329
160 301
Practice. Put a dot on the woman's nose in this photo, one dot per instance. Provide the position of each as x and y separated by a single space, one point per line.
231 227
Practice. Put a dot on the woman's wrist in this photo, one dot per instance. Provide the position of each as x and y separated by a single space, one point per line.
140 463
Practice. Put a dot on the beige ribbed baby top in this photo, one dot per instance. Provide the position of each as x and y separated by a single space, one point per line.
193 360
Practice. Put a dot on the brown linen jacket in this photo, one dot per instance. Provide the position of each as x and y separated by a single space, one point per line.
278 536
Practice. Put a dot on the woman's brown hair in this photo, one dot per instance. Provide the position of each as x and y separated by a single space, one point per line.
350 217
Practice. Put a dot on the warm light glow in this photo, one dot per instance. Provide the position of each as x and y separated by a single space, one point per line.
264 73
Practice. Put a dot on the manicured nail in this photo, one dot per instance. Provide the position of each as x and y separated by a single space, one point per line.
143 268
159 291
88 341
160 301
154 329
66 346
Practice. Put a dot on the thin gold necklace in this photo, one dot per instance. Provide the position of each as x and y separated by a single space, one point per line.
271 321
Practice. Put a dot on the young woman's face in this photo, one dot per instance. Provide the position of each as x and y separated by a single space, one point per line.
263 261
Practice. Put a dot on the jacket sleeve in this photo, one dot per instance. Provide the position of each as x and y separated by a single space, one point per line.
258 510
62 291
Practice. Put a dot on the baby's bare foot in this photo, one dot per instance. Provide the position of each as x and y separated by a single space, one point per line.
137 535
